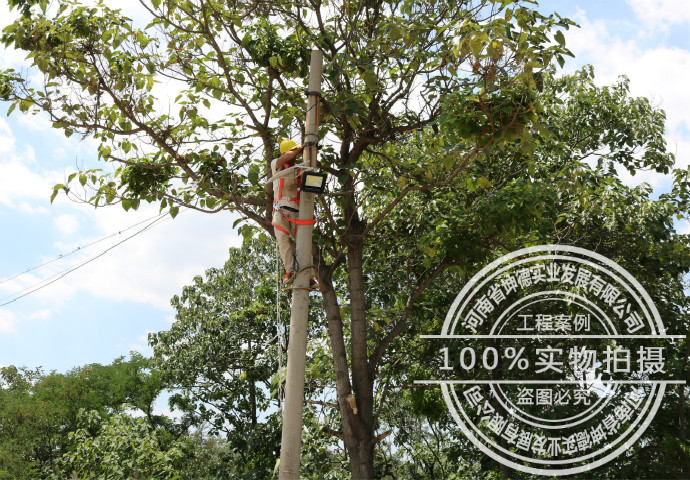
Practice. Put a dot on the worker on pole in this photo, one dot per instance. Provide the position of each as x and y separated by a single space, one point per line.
286 197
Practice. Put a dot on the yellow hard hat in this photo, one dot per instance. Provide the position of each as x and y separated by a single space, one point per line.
287 145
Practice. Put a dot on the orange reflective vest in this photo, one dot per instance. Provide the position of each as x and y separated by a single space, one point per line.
286 194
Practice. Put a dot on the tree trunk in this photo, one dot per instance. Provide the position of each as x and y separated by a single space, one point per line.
362 463
357 428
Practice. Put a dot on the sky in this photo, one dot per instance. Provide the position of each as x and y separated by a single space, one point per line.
106 308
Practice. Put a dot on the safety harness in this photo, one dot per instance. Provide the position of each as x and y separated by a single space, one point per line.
277 207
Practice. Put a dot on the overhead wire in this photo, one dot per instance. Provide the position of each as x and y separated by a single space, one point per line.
78 249
61 274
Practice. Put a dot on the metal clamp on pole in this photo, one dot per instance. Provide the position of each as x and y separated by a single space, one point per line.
312 142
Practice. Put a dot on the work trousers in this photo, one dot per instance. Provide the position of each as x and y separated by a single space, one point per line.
285 241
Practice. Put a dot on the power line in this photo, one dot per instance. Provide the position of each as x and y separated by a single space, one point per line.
50 280
78 249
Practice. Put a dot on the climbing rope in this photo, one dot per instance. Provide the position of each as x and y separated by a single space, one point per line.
282 341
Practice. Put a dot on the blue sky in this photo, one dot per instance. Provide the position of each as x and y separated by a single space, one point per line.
106 308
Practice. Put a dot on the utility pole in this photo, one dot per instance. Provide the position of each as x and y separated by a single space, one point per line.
291 443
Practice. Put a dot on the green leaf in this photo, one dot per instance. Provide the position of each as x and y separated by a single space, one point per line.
522 38
253 174
560 38
483 182
174 211
247 232
431 252
55 191
371 80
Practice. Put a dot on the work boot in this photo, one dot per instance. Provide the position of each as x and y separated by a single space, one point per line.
289 278
313 284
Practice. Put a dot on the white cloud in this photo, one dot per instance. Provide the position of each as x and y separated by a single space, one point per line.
143 345
44 314
26 207
21 183
156 264
7 139
149 268
46 287
67 224
657 72
7 321
658 13
34 122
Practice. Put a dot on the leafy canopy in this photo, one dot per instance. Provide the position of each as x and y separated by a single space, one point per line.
238 71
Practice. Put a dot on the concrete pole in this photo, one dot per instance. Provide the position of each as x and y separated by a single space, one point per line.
291 443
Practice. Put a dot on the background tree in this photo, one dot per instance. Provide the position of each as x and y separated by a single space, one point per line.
222 358
120 447
563 189
39 410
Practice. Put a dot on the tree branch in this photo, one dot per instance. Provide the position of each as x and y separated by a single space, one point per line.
375 357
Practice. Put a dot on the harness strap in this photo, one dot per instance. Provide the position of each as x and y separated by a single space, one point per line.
301 222
280 228
295 220
298 182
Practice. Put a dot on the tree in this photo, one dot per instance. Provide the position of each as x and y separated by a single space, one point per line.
39 410
568 193
429 105
22 421
120 447
221 357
